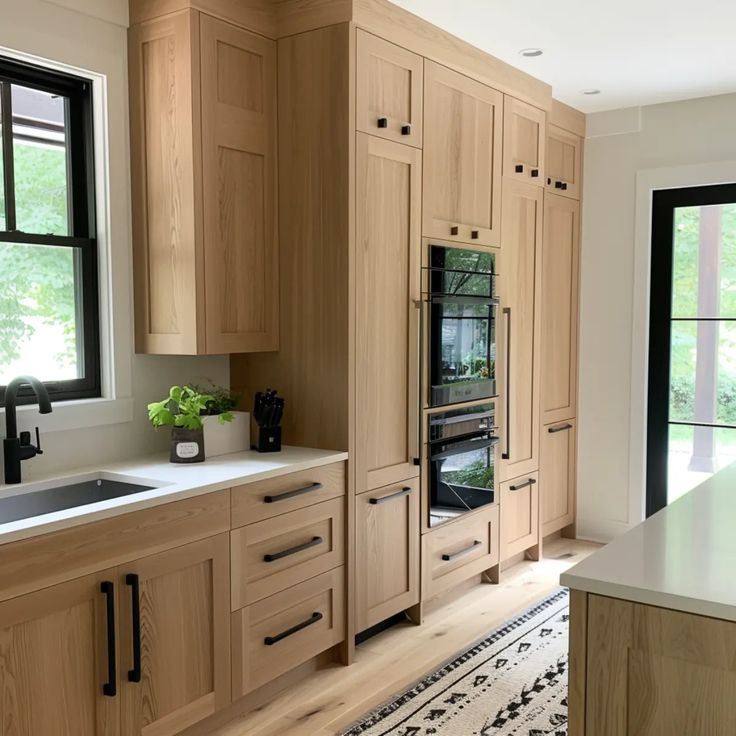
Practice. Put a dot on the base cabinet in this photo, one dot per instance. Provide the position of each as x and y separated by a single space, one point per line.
519 515
386 552
557 472
54 661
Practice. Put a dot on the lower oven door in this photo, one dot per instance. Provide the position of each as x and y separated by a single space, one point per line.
461 475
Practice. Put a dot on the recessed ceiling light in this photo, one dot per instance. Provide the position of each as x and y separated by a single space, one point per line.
591 91
531 52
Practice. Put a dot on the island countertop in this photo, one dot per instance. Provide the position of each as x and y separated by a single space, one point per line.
682 558
172 482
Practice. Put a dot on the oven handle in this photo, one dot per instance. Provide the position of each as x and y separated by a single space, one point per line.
488 301
507 430
460 418
462 447
419 304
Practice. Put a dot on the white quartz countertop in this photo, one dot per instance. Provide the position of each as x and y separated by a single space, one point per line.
683 557
173 482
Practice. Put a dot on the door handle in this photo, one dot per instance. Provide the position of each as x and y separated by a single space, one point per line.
110 688
507 454
314 542
461 552
519 486
419 304
391 497
291 494
271 640
133 581
559 428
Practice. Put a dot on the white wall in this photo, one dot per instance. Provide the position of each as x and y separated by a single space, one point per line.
92 35
627 154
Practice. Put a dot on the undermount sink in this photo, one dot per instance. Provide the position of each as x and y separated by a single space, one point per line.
48 497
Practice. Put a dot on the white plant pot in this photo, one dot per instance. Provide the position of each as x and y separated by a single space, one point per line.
222 439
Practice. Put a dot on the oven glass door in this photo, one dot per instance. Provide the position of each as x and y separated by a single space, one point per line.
462 331
462 449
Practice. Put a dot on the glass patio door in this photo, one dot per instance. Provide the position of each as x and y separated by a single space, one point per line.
691 431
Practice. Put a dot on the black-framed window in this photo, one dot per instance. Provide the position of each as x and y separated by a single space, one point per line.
691 417
49 304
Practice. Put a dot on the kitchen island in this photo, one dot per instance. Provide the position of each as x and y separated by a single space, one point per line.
653 623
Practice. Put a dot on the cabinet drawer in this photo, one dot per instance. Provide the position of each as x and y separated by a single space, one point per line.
266 499
277 553
459 550
279 633
519 515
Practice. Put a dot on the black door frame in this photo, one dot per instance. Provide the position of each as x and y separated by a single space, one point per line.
664 203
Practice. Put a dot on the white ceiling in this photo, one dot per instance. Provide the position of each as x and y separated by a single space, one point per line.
637 52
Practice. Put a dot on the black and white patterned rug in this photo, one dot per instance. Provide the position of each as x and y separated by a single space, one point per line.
514 681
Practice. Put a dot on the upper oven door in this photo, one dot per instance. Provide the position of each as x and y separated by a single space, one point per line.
462 325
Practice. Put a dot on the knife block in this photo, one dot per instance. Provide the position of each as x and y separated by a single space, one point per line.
269 439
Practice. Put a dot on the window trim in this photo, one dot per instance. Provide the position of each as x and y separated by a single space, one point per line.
80 151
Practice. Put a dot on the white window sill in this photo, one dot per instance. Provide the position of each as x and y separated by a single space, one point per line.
78 414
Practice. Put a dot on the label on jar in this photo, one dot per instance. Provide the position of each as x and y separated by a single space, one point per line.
187 450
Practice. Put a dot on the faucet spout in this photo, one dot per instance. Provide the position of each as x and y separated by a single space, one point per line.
11 398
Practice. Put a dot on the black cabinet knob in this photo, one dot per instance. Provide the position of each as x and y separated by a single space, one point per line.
454 230
549 181
519 168
474 234
535 173
558 185
564 186
405 129
383 122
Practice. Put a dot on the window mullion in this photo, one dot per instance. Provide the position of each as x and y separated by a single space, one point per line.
6 115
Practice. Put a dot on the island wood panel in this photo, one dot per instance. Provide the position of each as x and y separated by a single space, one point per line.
560 267
389 90
462 158
53 661
656 672
185 638
578 662
240 198
37 562
557 470
387 552
388 214
524 139
564 162
312 368
166 184
519 515
254 576
519 287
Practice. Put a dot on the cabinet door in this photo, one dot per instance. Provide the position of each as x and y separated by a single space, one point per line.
519 515
184 640
387 284
558 476
523 141
560 253
389 90
564 165
462 158
386 552
54 661
238 84
519 342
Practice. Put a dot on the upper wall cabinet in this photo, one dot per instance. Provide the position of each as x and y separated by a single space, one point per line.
462 158
523 141
203 147
563 162
389 90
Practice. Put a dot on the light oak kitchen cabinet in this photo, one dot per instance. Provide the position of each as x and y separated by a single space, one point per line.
564 162
558 465
519 339
203 150
462 158
523 141
519 522
389 90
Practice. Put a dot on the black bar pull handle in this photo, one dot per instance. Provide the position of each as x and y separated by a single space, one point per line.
519 486
391 497
292 494
461 552
383 122
110 688
269 641
559 428
133 581
313 542
507 454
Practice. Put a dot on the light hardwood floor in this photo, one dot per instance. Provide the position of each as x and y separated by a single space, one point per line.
330 699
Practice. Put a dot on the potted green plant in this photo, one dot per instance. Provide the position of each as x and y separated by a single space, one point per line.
182 410
225 429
